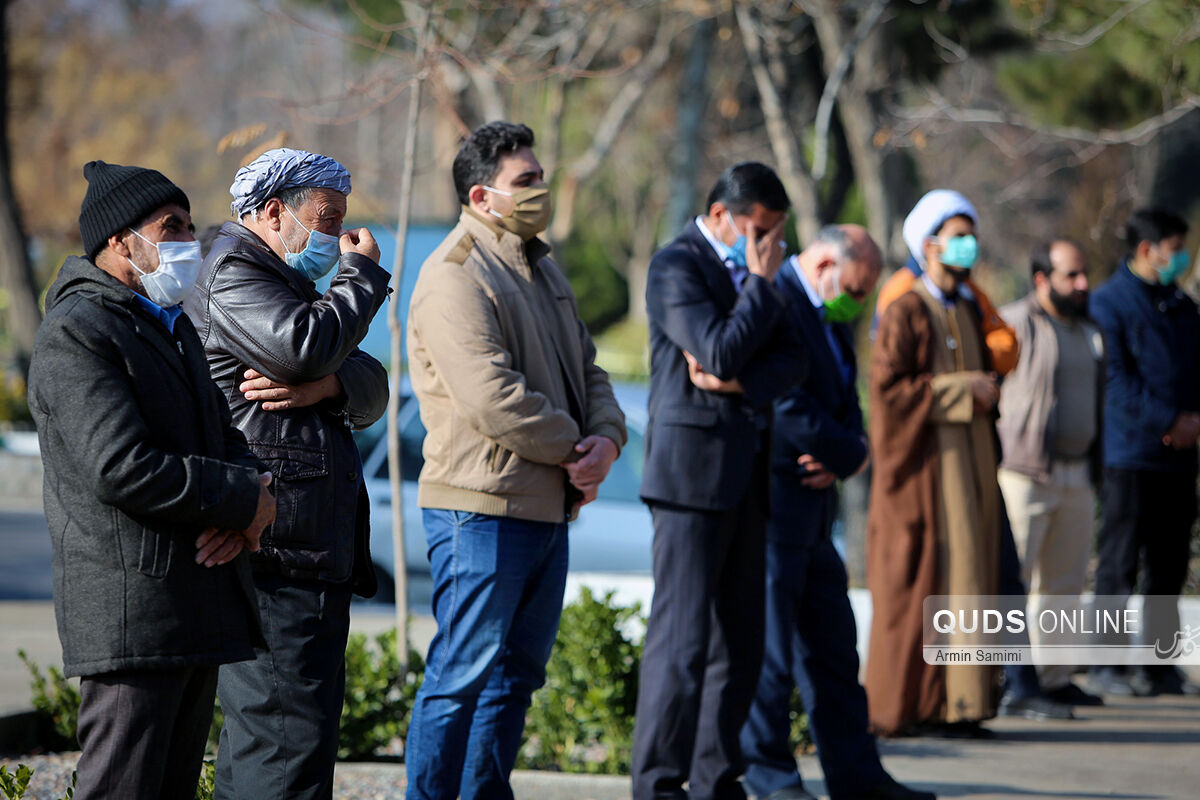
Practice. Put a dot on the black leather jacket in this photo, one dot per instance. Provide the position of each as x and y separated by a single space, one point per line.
253 311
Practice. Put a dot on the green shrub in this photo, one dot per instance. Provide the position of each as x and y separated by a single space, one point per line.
582 719
14 784
56 701
801 738
207 784
379 701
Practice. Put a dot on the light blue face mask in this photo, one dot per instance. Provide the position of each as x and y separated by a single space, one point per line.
1176 266
960 251
317 257
737 252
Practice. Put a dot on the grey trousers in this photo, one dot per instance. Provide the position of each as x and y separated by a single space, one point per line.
283 710
143 733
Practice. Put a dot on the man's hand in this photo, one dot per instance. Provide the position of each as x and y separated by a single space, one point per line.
816 476
586 474
985 390
707 381
280 396
589 495
1184 432
764 256
359 241
264 515
214 547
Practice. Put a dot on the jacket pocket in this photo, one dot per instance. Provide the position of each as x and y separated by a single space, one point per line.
301 494
156 550
694 416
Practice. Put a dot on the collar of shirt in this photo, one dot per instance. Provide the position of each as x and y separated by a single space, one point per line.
736 273
813 296
166 316
945 299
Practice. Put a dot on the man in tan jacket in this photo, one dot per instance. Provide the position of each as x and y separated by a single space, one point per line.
522 428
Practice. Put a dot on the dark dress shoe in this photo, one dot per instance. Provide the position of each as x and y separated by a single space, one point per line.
1171 683
1035 707
890 789
963 729
1072 695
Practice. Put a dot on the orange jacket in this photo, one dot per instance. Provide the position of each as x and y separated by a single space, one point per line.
1001 340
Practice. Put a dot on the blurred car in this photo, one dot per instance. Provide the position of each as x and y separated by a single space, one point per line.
612 535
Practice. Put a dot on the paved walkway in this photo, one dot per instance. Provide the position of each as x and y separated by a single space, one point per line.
1130 750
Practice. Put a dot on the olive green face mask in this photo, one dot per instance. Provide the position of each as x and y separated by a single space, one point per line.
843 307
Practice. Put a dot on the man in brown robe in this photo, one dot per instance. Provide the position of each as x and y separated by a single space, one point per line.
935 515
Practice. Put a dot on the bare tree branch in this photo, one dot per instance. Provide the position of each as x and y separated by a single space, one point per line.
1062 44
833 84
618 111
1137 134
956 51
796 179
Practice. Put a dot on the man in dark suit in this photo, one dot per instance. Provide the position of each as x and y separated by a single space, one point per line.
720 354
818 439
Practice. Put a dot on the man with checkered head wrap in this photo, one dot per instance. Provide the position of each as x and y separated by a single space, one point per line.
286 357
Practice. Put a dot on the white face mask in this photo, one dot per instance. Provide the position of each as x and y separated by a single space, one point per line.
178 265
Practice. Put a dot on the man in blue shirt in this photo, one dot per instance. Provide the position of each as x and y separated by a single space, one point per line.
1151 335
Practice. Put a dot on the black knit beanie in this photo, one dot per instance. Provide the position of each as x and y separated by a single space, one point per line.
120 197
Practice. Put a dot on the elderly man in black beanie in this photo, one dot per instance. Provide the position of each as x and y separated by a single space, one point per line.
286 356
150 493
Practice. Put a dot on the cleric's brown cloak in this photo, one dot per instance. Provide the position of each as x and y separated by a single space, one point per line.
934 520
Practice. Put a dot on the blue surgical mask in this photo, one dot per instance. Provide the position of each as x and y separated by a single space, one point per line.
178 265
960 251
318 256
1176 266
737 252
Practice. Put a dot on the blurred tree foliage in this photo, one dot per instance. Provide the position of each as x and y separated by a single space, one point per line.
1103 63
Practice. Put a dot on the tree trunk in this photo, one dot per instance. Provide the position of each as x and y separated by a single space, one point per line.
16 270
686 152
395 478
801 188
880 170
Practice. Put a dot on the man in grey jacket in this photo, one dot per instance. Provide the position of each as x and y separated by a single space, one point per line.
1049 429
286 357
150 493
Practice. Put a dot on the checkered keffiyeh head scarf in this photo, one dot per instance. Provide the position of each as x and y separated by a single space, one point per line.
284 168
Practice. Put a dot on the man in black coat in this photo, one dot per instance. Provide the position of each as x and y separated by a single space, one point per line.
286 357
720 354
150 493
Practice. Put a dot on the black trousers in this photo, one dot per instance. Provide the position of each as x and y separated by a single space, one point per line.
143 733
1147 518
704 645
282 710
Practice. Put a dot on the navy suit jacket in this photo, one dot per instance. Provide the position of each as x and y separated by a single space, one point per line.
820 416
701 446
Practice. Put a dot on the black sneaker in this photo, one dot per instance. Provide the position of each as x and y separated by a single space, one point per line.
1072 695
1035 707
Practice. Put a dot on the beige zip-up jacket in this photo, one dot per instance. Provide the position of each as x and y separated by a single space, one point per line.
505 375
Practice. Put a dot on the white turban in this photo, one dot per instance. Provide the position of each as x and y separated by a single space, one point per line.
928 216
284 168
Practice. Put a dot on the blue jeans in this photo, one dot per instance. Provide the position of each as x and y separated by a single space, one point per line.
497 598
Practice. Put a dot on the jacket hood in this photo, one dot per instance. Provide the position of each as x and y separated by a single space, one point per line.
80 275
